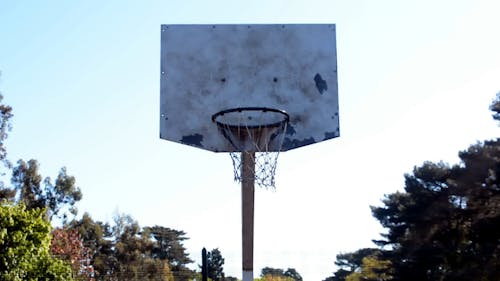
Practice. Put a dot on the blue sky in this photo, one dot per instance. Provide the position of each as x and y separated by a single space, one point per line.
415 81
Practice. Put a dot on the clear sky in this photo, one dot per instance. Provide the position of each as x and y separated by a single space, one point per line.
415 82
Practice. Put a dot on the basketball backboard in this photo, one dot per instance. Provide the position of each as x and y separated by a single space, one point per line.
206 69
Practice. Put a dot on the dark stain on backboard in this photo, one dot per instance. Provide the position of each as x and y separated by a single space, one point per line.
195 140
331 135
293 143
320 83
290 131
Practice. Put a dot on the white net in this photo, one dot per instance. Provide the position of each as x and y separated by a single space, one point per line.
258 131
265 168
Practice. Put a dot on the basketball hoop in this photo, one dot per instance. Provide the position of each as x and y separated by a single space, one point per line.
258 131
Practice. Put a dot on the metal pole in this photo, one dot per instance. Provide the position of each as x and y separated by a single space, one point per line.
204 273
247 204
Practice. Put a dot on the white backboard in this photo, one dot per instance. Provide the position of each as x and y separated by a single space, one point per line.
209 68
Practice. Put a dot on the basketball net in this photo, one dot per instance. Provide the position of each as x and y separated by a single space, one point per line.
254 133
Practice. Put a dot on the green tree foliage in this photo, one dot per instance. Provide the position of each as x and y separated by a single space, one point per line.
215 265
98 238
349 263
270 277
372 269
141 256
24 246
272 271
94 249
56 198
128 252
444 225
133 251
5 126
290 273
199 276
168 245
147 269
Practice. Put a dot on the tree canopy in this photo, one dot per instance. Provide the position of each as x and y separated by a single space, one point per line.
5 126
215 265
269 273
58 198
84 248
67 245
127 251
168 246
443 226
24 246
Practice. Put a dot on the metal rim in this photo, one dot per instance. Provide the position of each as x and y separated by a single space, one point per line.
285 115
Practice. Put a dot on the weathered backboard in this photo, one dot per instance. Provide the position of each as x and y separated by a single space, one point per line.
209 68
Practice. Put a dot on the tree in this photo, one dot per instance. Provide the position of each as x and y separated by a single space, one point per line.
133 251
56 198
292 273
477 187
145 268
97 237
168 245
289 274
199 276
27 180
5 127
443 226
129 256
372 269
67 245
24 246
270 277
125 251
215 263
349 263
271 271
495 107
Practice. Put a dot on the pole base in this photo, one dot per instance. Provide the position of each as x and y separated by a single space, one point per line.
247 275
